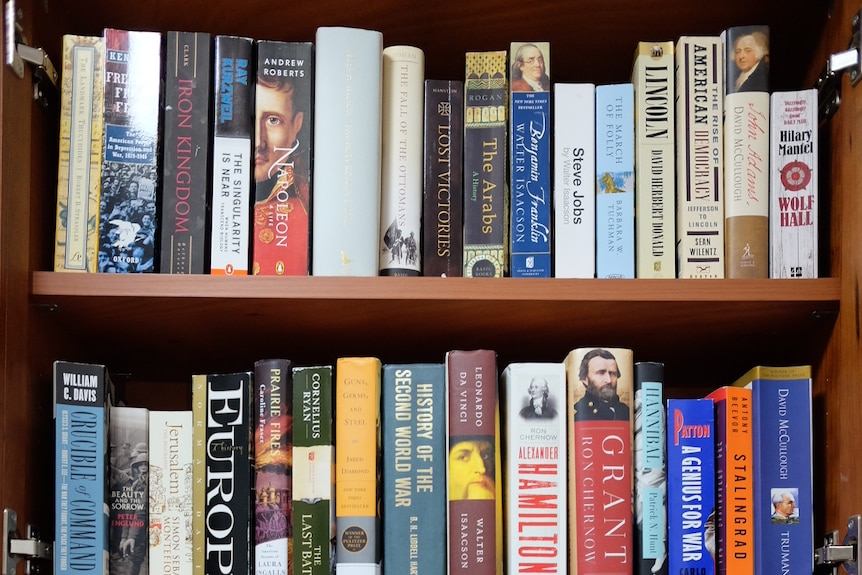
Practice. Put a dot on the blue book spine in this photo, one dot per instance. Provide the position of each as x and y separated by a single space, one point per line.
783 482
81 413
615 181
691 486
414 468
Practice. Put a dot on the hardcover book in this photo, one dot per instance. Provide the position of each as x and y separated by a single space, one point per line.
474 467
794 193
347 151
574 180
83 395
691 531
199 472
313 461
615 181
128 217
273 454
486 95
781 405
534 457
599 390
530 168
130 487
414 468
229 479
232 156
746 151
357 462
402 161
281 240
186 169
171 483
82 102
442 224
650 468
699 164
734 488
655 160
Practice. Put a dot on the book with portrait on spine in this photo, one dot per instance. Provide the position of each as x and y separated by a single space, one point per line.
442 225
130 486
82 104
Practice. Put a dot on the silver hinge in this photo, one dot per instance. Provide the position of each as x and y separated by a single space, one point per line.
832 555
45 76
850 61
30 549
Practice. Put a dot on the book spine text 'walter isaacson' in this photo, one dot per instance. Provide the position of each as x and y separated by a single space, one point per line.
530 170
691 524
232 161
128 218
474 467
357 463
186 170
414 468
273 536
82 404
80 159
229 482
313 460
699 164
600 389
486 96
534 459
793 197
442 241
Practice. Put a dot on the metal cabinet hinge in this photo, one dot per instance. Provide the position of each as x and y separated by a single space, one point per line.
45 76
828 558
31 548
850 61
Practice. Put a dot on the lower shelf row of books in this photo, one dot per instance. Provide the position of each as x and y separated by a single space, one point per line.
577 466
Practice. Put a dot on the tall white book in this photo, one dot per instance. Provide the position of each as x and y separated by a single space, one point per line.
347 151
574 180
793 195
403 161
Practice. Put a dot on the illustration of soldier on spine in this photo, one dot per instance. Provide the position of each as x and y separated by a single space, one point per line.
129 513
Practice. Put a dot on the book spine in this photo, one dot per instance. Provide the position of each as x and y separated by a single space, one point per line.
128 222
273 537
229 481
699 165
199 473
574 180
171 482
535 467
313 516
600 391
486 96
650 468
794 192
232 156
80 153
734 491
347 151
129 496
81 499
474 468
691 486
442 242
414 468
530 168
186 170
357 461
615 181
655 163
746 151
402 161
282 158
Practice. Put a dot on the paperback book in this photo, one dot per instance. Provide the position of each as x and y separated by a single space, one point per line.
130 486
